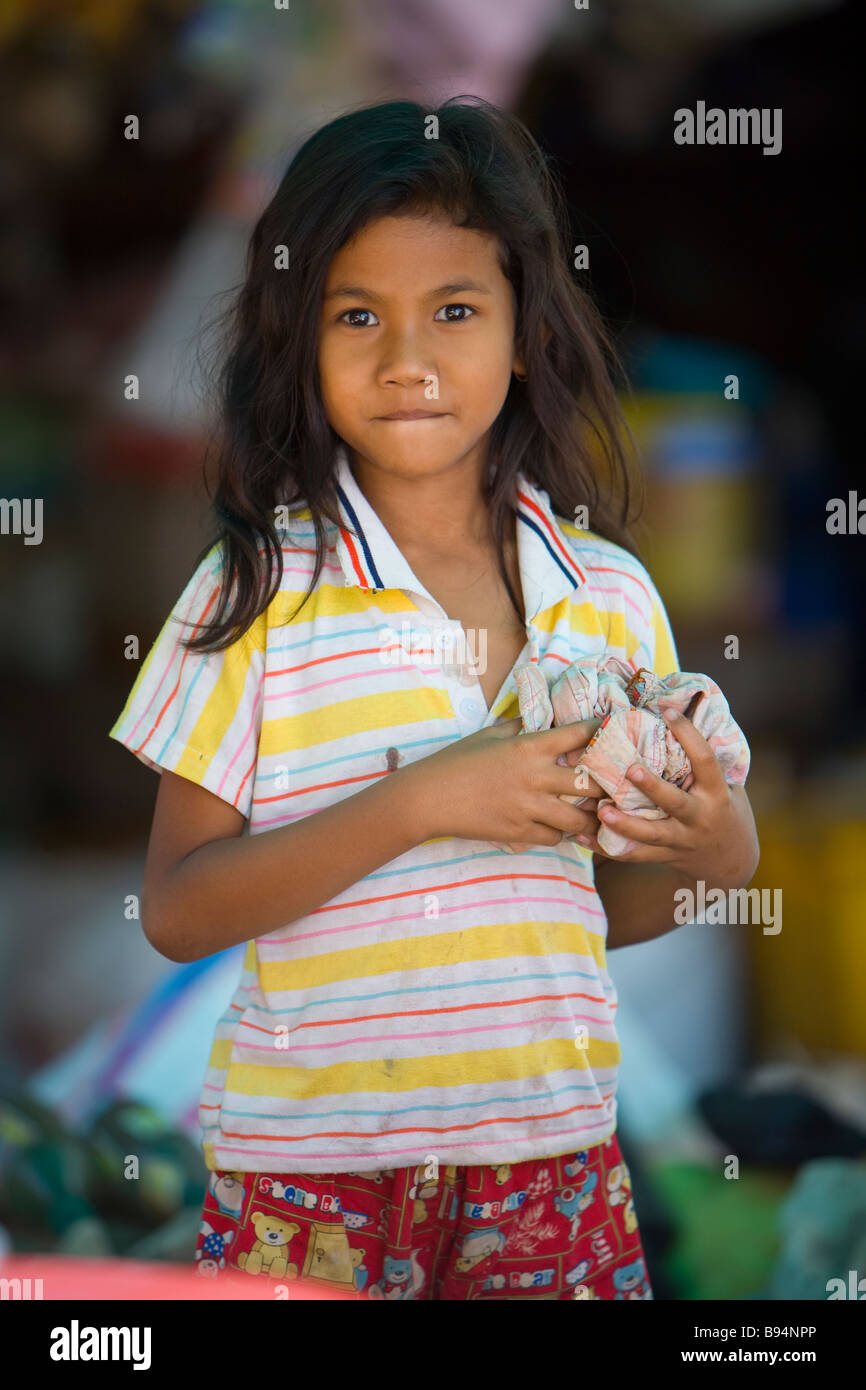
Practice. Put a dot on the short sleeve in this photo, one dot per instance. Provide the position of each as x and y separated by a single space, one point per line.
199 714
657 638
628 607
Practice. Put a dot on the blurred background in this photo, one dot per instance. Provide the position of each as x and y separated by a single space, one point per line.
709 261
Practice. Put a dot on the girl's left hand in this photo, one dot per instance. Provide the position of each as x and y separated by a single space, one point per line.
709 832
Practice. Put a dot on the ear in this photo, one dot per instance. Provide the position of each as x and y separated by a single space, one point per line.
518 364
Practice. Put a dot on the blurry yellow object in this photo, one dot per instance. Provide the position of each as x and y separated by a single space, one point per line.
809 980
702 500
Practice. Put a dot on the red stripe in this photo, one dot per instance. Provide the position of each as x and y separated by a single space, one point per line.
425 1013
179 674
458 883
554 535
356 563
416 1129
319 787
607 569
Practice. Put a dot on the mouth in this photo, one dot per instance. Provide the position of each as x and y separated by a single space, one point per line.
414 415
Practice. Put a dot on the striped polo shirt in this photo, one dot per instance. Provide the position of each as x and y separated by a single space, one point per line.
456 1002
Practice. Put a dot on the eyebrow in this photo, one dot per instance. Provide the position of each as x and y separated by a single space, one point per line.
359 292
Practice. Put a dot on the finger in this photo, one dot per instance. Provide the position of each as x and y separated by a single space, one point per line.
635 854
670 799
509 726
575 783
582 782
570 820
656 834
563 738
705 765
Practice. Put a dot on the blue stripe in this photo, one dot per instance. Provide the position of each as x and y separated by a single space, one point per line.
361 537
576 579
408 1109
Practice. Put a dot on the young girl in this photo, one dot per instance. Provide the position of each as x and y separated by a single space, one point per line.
412 1091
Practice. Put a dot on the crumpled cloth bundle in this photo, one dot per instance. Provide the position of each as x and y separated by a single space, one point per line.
632 730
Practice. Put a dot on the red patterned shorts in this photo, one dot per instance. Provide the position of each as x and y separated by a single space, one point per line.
549 1228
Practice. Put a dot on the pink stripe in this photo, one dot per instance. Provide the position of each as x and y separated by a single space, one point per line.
206 576
611 569
596 588
307 572
238 750
406 665
441 1033
413 1148
417 916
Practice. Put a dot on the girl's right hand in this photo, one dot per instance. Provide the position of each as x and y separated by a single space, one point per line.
504 785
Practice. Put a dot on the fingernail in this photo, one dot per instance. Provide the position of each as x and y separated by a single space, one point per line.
671 714
607 814
635 773
583 840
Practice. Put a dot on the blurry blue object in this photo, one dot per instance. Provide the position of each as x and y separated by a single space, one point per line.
667 362
156 1053
654 1094
823 1227
706 444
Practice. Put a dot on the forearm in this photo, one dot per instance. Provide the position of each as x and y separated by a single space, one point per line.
638 900
231 890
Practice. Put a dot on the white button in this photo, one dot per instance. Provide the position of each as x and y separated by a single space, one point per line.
468 707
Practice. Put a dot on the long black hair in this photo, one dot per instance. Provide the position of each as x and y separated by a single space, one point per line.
562 426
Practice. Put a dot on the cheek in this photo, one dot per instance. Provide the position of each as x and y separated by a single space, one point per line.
337 369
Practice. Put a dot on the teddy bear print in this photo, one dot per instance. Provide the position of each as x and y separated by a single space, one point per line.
405 1277
269 1253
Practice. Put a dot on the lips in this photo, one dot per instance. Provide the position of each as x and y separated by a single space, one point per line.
413 415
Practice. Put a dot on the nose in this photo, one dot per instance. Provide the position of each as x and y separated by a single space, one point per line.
405 361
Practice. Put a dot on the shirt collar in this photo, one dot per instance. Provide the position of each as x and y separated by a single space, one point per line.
370 559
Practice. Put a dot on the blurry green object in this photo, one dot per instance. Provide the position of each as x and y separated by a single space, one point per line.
171 1171
727 1229
76 1193
44 1185
823 1224
23 1120
176 1240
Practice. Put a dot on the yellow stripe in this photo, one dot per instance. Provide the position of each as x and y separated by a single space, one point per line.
445 1070
136 685
220 709
498 941
365 713
334 601
665 657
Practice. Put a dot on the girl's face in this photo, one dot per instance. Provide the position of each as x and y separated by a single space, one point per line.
416 315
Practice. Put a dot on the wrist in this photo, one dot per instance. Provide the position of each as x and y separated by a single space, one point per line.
416 803
734 873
